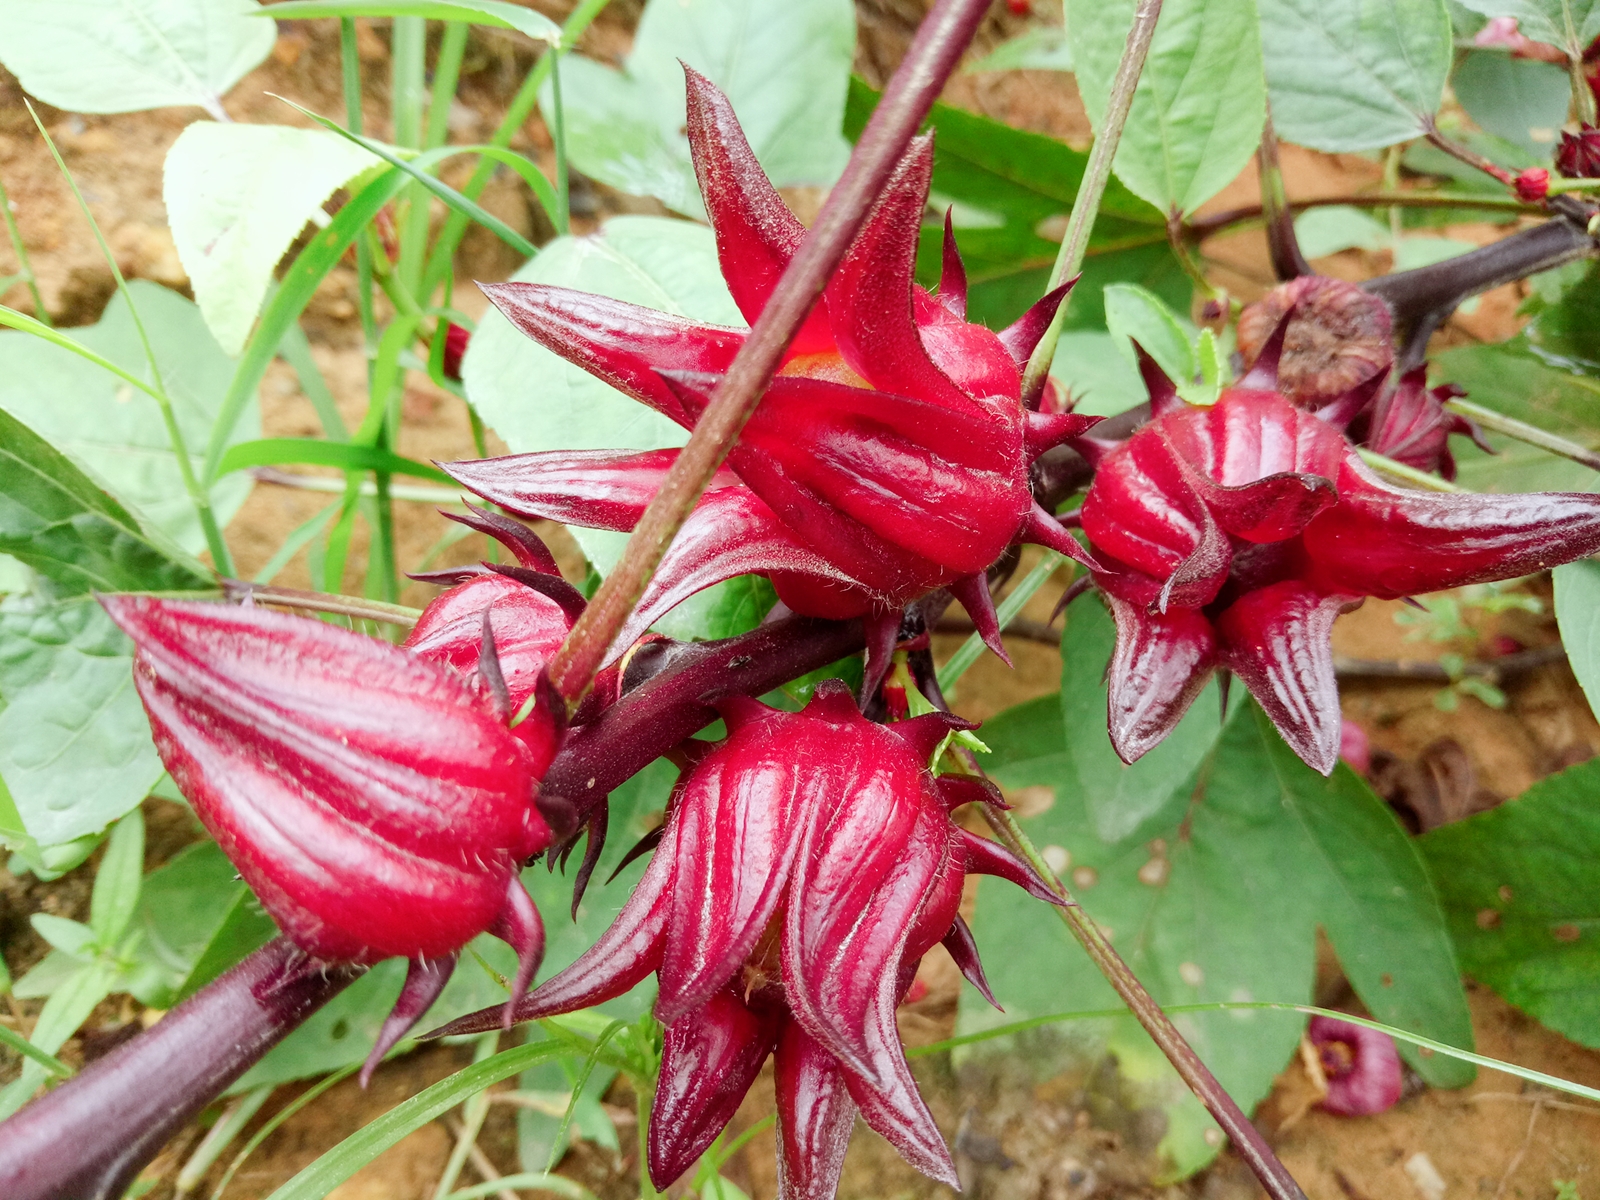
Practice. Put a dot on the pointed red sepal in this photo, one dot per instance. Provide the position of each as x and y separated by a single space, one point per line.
1276 640
524 543
732 867
568 598
869 296
1343 409
956 790
738 711
973 593
1039 528
923 734
963 948
1263 373
883 631
1269 510
1163 392
1045 431
623 344
520 927
756 233
597 489
952 273
625 953
897 1113
1022 335
425 979
373 800
593 845
1161 663
815 1117
831 701
709 1059
990 858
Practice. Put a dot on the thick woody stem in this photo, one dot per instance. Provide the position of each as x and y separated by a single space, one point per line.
917 82
87 1139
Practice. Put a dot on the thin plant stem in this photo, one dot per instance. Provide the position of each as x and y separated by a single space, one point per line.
278 1118
1287 260
1096 174
533 1181
1203 227
446 74
517 112
972 649
1403 474
228 1126
937 47
558 135
356 607
644 1096
319 483
1523 432
20 249
1471 157
220 558
407 91
350 61
1247 1141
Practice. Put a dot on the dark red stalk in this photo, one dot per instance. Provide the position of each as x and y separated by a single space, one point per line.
1284 248
87 1139
917 82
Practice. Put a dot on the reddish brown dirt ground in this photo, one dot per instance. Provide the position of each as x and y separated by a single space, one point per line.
1495 1140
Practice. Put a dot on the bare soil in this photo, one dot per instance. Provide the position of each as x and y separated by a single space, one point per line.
1015 1140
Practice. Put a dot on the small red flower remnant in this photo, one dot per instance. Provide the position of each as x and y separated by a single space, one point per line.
374 800
1361 1066
456 338
806 866
1533 185
1231 537
888 458
1579 154
1339 337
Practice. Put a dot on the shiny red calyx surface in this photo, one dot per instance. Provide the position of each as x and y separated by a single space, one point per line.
806 866
1232 536
888 458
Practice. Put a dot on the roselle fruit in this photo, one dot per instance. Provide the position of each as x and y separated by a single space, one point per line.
1339 337
889 456
806 865
374 799
1232 536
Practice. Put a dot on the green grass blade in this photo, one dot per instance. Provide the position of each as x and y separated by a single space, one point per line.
271 452
496 13
361 1147
11 1038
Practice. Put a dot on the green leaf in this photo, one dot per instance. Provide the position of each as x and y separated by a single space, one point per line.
75 748
72 938
1569 24
1042 48
349 457
116 431
1201 100
1134 314
1577 587
1357 75
1324 231
661 264
1215 895
494 13
784 66
1520 890
1011 191
237 196
116 883
1565 334
109 56
1092 366
58 521
67 1008
1520 99
1117 797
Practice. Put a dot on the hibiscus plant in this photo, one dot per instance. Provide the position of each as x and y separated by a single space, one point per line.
710 802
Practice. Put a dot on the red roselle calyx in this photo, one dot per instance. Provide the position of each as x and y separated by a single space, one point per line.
890 455
1579 154
374 798
806 866
1232 536
1361 1066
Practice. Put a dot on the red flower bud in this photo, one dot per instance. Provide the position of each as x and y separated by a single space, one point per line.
1231 536
455 345
806 866
888 458
1361 1066
1410 425
374 801
1339 337
1533 185
1579 154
